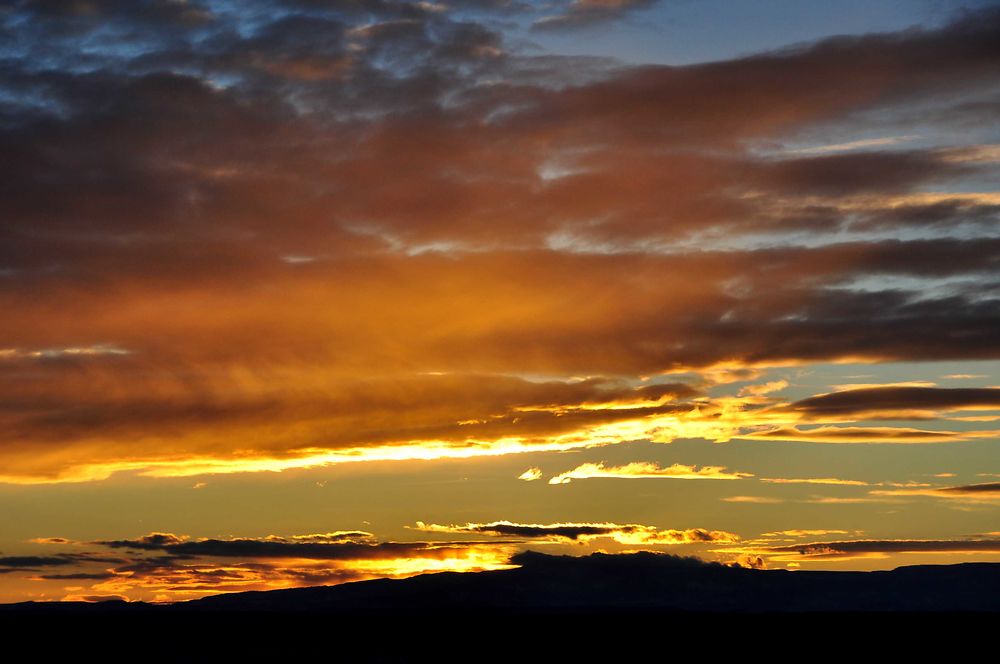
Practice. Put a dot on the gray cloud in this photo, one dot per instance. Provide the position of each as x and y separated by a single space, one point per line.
855 547
854 402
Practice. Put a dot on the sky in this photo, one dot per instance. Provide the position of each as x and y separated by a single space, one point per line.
307 292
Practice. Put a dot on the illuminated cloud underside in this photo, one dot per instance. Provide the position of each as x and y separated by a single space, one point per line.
614 414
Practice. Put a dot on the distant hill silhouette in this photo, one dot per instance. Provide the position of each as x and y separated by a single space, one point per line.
615 582
643 581
594 608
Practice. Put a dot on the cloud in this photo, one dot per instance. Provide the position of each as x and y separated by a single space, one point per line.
812 480
854 145
472 213
32 562
92 599
839 500
804 533
645 470
167 566
335 536
278 547
77 576
582 13
878 548
530 475
764 388
873 401
583 532
969 492
901 435
53 354
153 541
759 500
52 540
170 567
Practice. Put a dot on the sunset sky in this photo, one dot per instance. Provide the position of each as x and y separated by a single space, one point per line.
313 291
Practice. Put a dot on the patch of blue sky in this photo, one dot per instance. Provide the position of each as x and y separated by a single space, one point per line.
681 32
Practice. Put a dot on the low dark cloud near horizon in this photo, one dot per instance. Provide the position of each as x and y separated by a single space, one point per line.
860 547
270 548
304 218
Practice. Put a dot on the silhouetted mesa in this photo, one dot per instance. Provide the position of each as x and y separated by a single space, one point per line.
636 582
642 581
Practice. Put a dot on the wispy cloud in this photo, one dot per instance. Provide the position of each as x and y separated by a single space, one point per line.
583 13
805 533
812 480
970 492
758 500
646 470
854 434
884 141
874 548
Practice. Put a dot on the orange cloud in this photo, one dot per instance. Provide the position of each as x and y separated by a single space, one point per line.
759 500
388 268
169 567
645 470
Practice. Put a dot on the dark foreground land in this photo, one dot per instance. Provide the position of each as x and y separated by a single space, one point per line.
596 608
